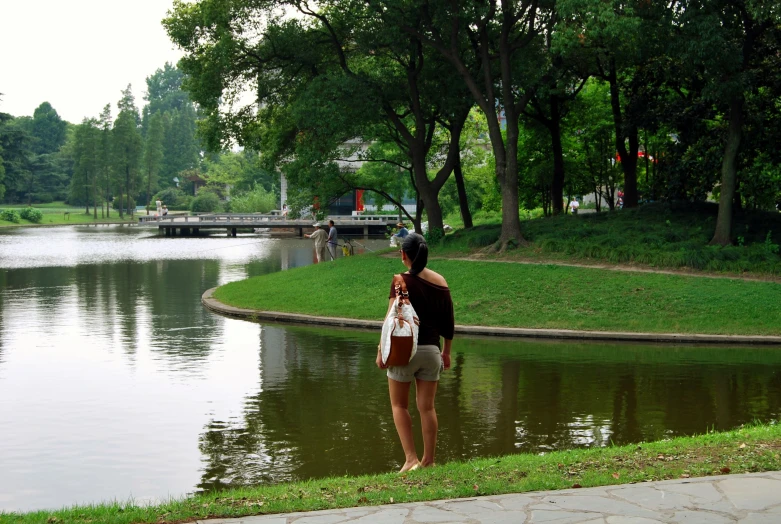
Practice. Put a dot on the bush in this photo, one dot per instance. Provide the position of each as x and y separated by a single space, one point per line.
205 202
129 203
256 201
9 215
31 214
170 197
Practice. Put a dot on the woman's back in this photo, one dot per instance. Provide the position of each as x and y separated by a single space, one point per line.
433 305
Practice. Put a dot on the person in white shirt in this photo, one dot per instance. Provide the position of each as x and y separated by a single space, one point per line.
320 237
573 206
159 206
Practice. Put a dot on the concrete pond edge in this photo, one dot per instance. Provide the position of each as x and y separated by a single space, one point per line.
214 305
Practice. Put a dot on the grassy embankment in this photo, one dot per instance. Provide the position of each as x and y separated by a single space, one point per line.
57 213
750 449
529 296
655 235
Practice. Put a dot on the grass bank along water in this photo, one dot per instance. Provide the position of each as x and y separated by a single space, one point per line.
58 213
750 449
526 296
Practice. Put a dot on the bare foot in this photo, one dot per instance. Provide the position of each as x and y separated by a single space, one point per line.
409 466
424 464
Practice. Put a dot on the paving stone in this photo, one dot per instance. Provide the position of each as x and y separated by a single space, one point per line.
323 518
752 493
259 519
651 497
620 519
428 513
596 504
701 492
387 515
500 517
700 517
515 502
562 517
470 506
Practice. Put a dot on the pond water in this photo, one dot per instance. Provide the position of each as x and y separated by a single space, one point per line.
116 383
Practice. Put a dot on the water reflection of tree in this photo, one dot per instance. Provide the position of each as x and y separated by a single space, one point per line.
181 328
322 408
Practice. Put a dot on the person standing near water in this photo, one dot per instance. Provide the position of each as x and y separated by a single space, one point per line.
430 297
320 237
332 239
159 206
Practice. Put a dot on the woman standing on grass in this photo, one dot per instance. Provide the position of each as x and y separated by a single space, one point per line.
430 297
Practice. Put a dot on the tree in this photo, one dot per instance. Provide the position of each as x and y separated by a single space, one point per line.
153 155
106 158
126 148
165 96
734 34
48 128
492 46
86 153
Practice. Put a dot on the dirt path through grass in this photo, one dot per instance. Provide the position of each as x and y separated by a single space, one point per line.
611 267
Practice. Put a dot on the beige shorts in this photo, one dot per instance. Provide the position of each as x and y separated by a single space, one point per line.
426 365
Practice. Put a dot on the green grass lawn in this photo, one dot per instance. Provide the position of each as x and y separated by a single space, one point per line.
750 449
655 235
56 213
525 295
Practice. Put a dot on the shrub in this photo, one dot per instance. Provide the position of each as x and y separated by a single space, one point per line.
171 197
31 214
128 202
205 202
9 215
256 201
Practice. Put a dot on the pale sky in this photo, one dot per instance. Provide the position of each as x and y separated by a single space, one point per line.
79 54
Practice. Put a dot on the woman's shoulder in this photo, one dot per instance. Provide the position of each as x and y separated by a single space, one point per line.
432 277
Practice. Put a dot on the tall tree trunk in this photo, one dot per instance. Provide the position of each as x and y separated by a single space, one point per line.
149 191
95 198
508 183
723 233
428 193
557 186
463 203
628 157
108 192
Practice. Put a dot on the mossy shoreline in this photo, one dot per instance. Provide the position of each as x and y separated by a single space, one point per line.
748 449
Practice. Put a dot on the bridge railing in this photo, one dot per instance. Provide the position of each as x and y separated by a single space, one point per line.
238 219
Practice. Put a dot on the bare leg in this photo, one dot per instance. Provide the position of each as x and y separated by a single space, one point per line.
425 391
399 396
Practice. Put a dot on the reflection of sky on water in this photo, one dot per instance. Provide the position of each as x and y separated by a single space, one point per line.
110 368
70 246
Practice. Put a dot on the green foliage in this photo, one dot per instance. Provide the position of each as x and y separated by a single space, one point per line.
41 198
659 235
127 202
257 200
9 215
205 202
31 214
172 197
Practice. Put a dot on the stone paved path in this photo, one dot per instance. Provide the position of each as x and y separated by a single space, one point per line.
753 498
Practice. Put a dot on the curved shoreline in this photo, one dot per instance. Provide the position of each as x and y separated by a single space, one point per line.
214 305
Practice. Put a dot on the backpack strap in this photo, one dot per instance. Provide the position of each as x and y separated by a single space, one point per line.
401 288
